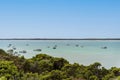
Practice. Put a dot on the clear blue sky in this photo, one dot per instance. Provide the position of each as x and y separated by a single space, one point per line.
59 18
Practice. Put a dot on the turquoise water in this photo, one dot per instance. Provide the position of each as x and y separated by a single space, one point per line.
107 52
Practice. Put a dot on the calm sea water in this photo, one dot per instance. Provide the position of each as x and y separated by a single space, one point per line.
86 52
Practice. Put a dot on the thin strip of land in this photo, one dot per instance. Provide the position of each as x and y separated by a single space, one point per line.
60 39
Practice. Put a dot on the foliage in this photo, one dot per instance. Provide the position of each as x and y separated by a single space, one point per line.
8 69
45 67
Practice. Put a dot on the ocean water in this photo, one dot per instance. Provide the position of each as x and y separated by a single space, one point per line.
85 52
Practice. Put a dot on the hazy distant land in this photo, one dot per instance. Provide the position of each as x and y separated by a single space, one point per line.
60 39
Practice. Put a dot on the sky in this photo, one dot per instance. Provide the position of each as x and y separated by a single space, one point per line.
59 18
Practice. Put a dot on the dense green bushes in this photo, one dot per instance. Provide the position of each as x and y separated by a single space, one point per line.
45 67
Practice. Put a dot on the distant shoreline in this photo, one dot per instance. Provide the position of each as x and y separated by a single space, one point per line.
60 39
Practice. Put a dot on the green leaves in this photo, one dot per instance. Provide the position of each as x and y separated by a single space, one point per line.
45 67
8 69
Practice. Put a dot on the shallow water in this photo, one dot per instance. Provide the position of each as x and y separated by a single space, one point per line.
107 52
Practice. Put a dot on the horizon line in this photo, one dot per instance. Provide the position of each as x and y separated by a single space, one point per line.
59 38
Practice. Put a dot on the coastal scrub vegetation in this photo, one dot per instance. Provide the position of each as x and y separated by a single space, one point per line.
45 67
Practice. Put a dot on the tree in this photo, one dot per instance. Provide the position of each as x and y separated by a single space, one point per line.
88 74
8 70
108 76
54 75
42 66
93 78
31 76
58 63
39 57
116 71
95 68
72 70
